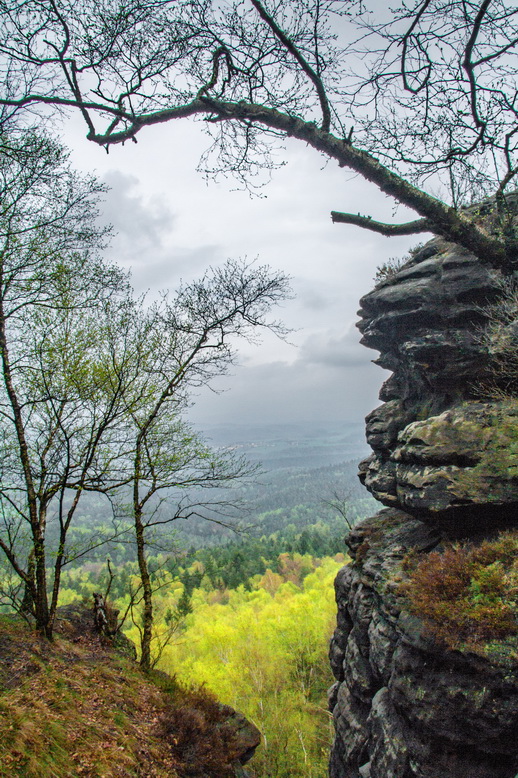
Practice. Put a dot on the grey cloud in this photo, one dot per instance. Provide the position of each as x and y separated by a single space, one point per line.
137 223
163 239
315 301
280 392
165 270
144 239
334 350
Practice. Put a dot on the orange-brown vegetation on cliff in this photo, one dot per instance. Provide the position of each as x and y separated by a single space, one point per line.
467 594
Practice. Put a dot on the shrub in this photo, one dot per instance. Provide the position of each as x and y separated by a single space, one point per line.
203 744
467 594
390 268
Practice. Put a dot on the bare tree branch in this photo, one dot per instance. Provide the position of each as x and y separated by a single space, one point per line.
430 87
306 67
410 228
404 42
469 67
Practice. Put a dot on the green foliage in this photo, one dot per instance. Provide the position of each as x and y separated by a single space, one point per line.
467 594
388 269
264 652
391 267
260 647
289 500
287 511
58 302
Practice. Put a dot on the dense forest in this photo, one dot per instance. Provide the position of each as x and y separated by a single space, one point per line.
287 509
258 641
246 611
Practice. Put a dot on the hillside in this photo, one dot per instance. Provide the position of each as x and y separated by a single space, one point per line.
78 706
251 623
286 503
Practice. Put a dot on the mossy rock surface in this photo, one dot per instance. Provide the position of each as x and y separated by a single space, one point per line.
463 460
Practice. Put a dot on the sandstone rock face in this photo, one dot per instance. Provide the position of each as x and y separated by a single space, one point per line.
438 452
445 463
404 707
462 462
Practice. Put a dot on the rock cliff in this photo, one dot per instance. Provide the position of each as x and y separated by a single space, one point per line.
445 463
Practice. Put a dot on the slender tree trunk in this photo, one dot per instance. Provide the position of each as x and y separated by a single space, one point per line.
147 611
27 605
37 522
58 565
147 594
41 604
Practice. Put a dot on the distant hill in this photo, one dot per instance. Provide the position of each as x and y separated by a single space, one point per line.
302 468
304 445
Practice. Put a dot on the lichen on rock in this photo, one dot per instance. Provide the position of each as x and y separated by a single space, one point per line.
466 458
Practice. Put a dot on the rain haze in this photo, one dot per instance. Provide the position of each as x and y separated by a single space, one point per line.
171 225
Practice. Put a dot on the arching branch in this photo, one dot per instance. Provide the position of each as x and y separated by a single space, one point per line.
469 67
404 42
221 51
442 219
260 101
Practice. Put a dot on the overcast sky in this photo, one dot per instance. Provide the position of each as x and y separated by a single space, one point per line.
172 225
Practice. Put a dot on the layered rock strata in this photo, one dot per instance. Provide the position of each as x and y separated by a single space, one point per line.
445 463
403 706
432 430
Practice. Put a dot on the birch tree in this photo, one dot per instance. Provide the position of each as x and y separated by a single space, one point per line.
183 343
55 406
